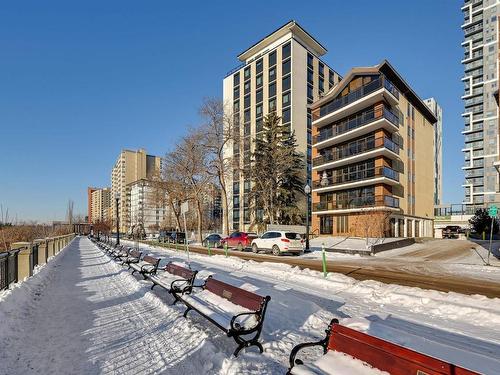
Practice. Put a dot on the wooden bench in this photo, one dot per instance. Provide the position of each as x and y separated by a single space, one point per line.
120 253
174 279
146 266
134 256
378 353
236 311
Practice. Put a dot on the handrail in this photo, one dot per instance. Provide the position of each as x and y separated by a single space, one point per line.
356 121
369 201
362 146
357 176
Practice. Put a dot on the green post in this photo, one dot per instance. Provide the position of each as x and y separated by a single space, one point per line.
323 256
225 248
209 250
467 234
186 248
484 235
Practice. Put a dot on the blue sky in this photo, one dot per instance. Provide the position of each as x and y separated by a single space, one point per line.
81 80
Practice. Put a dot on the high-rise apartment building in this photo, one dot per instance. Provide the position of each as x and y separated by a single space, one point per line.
147 206
481 112
438 149
101 202
130 166
90 190
282 72
372 164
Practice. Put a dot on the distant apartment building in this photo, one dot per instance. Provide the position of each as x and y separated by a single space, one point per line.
438 149
130 166
101 203
90 190
282 72
480 79
373 157
147 206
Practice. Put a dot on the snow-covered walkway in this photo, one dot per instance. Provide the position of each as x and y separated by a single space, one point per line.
85 314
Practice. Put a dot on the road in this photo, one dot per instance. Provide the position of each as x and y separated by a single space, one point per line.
396 270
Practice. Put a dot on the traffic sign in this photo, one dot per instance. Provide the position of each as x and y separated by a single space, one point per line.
493 211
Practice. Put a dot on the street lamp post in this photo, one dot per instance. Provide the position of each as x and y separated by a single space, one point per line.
117 198
307 190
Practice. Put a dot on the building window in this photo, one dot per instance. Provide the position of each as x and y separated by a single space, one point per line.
286 115
321 85
286 50
247 73
310 60
236 79
343 224
310 92
259 125
247 87
236 106
272 74
286 67
258 96
272 90
236 201
331 78
258 66
258 110
247 116
258 81
321 69
272 58
326 225
236 93
286 84
272 104
247 101
287 98
310 76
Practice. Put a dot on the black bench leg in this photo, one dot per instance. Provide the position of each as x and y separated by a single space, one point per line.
242 343
186 312
176 299
152 286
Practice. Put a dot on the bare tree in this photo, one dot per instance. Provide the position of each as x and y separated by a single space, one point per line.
189 160
172 184
4 222
219 130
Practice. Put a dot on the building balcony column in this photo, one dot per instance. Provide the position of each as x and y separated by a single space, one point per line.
405 229
396 227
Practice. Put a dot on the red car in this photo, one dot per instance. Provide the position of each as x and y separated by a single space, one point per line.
239 240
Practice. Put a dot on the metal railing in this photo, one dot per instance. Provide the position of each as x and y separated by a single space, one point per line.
356 121
357 94
360 147
357 176
360 202
8 268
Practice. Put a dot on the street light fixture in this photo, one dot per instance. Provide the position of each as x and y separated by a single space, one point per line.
117 198
307 190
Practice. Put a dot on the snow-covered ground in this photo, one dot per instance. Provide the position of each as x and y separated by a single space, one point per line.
83 313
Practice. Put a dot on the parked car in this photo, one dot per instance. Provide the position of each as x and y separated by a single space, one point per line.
452 231
279 242
164 236
240 240
214 240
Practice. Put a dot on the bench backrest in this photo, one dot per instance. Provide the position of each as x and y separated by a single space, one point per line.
183 272
154 261
386 356
236 295
134 254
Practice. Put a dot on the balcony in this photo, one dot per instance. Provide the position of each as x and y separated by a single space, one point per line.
356 126
358 203
362 150
366 177
366 96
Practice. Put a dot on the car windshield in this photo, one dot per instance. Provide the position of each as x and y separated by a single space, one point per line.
292 236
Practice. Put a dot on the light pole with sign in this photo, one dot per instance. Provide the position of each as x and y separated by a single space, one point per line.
492 211
307 190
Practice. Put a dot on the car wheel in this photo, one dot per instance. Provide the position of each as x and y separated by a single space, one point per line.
276 250
255 249
240 247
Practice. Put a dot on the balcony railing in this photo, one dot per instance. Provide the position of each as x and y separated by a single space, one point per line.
364 90
361 202
355 122
360 147
366 174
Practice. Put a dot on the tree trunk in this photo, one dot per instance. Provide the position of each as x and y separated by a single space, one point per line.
200 219
225 204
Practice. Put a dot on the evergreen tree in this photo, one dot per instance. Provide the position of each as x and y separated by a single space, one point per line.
278 175
481 222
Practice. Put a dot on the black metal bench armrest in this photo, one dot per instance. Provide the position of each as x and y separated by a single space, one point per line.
237 328
323 343
174 288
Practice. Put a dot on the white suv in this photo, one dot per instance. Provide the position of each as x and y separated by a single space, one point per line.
278 242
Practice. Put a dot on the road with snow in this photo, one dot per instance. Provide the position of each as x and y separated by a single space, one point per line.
83 314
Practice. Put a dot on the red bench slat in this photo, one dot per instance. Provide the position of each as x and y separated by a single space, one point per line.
183 272
150 259
386 356
234 294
